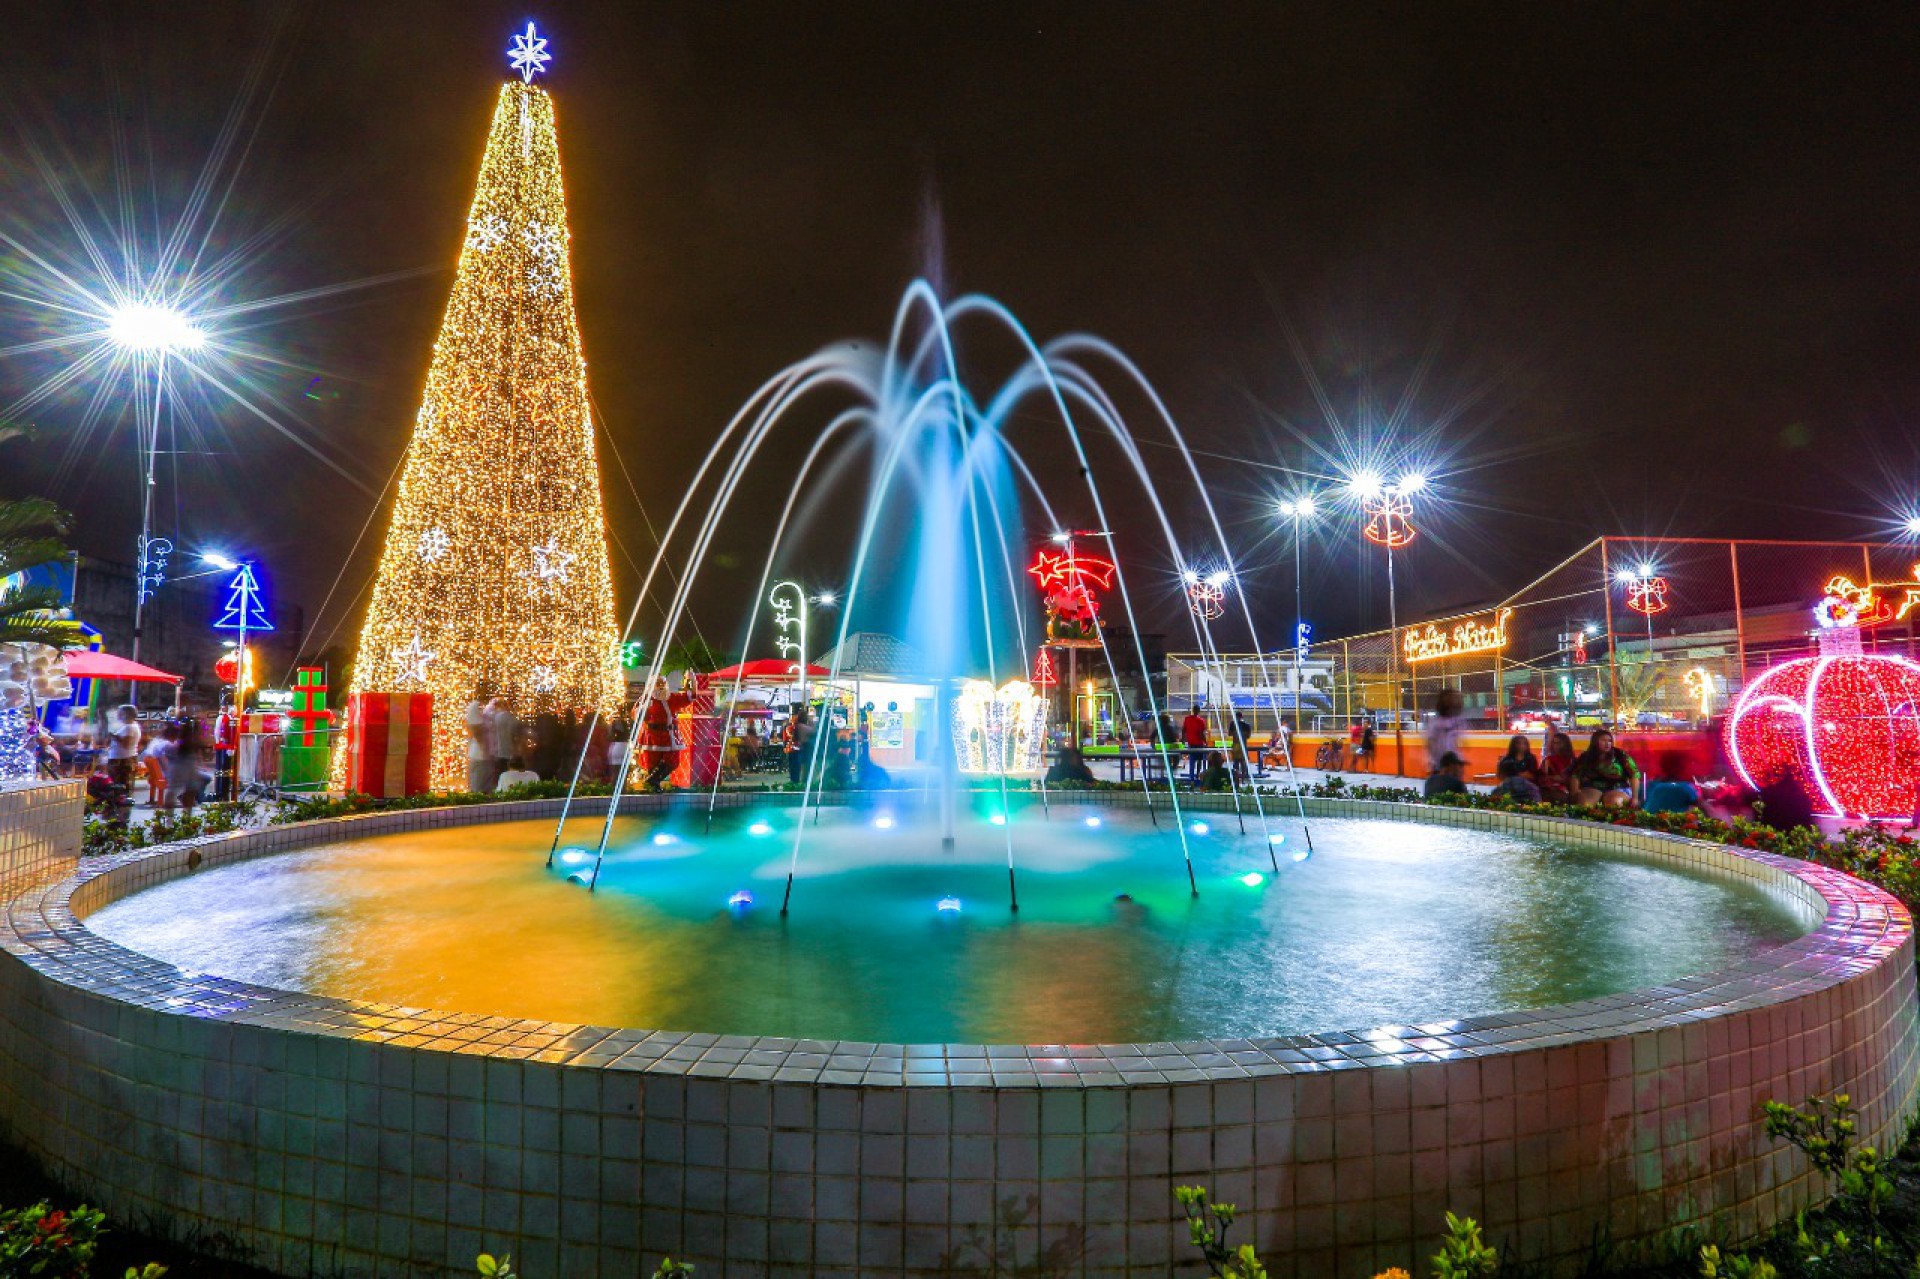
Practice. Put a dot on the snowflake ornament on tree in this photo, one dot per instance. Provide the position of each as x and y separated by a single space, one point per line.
434 545
543 679
486 233
550 564
545 252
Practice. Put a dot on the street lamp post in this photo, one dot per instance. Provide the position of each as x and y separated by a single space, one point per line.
1639 581
1389 523
1298 510
150 332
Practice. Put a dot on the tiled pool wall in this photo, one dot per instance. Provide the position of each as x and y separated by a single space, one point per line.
329 1137
39 830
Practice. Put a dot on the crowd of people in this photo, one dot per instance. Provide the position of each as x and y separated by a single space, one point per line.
1602 775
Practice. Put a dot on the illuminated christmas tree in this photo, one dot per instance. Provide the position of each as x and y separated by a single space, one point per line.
495 568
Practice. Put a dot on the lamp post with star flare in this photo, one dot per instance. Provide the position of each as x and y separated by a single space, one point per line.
150 332
1298 510
1389 523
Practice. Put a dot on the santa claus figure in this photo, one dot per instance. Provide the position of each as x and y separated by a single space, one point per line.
658 717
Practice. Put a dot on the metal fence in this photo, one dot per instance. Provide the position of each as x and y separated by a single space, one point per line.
1652 633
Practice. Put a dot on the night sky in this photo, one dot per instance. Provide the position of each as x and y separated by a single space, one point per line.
1601 268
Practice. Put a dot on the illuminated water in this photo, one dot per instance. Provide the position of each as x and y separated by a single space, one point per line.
1388 923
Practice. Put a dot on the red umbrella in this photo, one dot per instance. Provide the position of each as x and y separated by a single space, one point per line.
84 665
761 670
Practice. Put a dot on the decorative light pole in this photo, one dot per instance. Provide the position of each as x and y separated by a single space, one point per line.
1298 510
1389 523
150 332
789 602
1646 595
245 611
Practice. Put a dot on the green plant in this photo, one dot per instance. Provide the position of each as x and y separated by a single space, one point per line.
1825 1131
1207 1226
1463 1253
152 1270
45 1242
671 1269
1736 1265
492 1267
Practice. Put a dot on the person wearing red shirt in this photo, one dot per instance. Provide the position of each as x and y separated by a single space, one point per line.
1193 731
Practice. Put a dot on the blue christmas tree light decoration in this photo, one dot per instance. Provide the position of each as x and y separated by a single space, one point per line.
246 604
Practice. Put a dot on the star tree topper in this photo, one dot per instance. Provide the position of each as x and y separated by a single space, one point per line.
528 54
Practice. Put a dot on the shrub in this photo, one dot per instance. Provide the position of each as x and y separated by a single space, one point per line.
45 1242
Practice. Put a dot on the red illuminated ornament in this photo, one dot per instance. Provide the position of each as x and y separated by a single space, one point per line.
227 669
1073 613
1847 726
1647 595
1044 676
1389 520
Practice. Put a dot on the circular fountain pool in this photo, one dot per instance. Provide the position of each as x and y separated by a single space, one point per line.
891 939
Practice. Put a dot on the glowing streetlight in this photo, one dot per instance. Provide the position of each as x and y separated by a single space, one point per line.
1389 523
148 327
1646 595
151 332
1913 526
1299 510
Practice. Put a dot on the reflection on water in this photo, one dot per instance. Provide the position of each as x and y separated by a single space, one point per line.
1388 923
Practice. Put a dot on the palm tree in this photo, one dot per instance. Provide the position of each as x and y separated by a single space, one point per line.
30 535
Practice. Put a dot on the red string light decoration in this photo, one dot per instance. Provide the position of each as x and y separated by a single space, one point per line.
1054 571
1044 675
1848 726
1647 595
1389 520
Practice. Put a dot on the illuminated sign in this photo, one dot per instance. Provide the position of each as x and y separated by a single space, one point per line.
1475 635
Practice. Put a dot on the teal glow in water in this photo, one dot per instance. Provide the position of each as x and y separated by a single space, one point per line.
1388 923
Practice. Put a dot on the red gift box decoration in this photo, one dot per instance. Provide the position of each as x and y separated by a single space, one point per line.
389 743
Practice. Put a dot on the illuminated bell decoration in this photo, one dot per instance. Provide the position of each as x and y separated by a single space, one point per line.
1206 600
1845 725
1000 733
1647 595
1389 520
495 570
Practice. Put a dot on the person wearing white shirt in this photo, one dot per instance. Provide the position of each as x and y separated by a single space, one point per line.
123 745
481 769
516 773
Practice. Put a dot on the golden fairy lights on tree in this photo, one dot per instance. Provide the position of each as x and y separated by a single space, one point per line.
495 569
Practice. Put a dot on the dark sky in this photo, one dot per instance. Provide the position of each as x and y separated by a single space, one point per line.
1605 268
